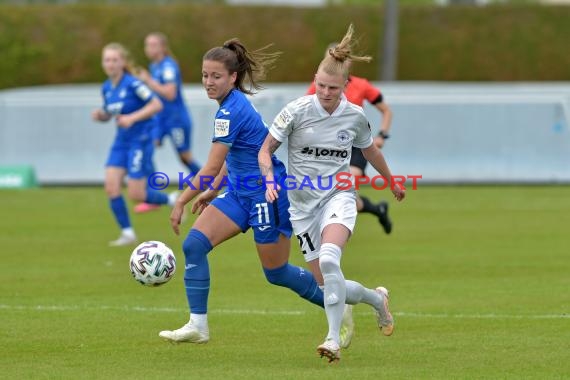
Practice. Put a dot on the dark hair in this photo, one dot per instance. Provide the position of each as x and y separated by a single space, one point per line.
249 66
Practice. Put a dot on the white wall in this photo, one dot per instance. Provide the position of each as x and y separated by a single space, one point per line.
444 132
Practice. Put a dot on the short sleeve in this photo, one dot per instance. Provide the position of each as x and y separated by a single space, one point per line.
371 93
142 91
282 124
226 130
169 74
363 138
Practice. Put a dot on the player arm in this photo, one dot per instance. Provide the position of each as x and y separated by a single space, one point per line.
268 147
386 112
220 177
384 131
152 107
204 179
376 159
201 182
100 115
165 90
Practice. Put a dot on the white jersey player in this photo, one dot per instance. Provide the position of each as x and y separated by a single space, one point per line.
321 130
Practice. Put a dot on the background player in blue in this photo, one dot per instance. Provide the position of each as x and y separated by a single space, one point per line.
174 120
239 132
133 105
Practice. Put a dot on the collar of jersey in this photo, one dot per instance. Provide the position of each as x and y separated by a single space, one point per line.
337 111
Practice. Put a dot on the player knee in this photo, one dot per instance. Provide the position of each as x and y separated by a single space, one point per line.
329 258
196 246
136 194
277 276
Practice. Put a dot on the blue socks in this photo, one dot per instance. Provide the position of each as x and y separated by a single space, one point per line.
197 271
155 197
197 275
298 280
193 167
119 208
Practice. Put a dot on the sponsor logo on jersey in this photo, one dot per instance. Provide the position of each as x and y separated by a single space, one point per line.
169 74
224 112
263 228
325 154
143 92
221 127
283 119
114 108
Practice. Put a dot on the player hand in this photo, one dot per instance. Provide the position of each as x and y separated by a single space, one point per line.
125 121
272 193
203 200
399 192
176 217
99 115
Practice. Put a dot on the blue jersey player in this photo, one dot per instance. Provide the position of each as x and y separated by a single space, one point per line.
239 132
132 104
174 120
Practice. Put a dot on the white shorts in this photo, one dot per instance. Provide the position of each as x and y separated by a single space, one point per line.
308 227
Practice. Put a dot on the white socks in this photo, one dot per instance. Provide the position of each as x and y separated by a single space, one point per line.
335 288
357 293
129 231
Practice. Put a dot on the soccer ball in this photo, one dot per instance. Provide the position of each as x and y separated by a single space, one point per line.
152 263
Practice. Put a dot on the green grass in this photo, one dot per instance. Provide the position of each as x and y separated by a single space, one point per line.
479 278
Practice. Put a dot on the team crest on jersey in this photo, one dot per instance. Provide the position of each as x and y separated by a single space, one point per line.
221 127
343 138
122 93
283 119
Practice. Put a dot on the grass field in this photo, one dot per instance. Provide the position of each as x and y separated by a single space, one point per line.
479 279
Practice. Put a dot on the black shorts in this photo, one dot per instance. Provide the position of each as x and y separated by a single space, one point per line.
357 159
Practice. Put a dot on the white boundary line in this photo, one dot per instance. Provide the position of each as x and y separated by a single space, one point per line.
271 312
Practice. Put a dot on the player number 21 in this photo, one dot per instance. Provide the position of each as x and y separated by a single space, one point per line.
305 238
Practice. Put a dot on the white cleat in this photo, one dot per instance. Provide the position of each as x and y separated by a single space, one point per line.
123 240
346 327
383 315
187 334
329 349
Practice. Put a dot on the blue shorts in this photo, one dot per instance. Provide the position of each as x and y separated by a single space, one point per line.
136 158
268 220
180 135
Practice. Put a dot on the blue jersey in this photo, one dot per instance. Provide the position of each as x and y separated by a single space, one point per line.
174 112
128 96
239 126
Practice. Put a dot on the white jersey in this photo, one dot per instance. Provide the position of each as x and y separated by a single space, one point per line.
319 148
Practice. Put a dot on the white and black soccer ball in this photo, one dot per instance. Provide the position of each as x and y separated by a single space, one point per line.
153 263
